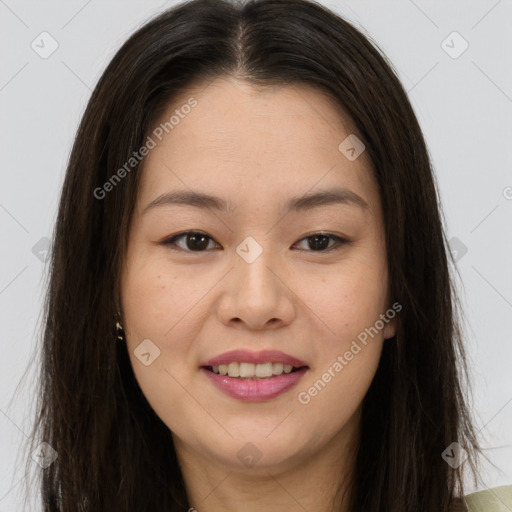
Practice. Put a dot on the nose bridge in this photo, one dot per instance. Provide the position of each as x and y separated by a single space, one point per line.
256 294
257 281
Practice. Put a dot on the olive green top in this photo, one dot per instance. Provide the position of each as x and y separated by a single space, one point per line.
497 499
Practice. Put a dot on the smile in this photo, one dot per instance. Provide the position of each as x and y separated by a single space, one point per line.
254 376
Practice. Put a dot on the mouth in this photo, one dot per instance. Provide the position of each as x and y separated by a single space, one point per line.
254 376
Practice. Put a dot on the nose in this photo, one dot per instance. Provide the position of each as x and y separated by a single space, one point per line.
256 294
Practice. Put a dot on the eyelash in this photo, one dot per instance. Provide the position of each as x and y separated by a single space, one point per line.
339 241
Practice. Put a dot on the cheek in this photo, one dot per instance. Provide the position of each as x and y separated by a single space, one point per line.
347 298
347 353
165 304
347 304
156 307
159 299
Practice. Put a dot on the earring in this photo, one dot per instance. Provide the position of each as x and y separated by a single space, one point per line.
119 328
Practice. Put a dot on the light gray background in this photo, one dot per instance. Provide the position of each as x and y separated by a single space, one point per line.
464 106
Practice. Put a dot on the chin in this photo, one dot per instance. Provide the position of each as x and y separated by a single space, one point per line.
259 449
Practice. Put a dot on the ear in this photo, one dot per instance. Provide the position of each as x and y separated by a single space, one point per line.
390 328
392 319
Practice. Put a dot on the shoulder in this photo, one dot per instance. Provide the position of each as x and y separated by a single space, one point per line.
497 499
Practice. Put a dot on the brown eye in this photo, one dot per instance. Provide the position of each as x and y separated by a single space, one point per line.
319 242
194 241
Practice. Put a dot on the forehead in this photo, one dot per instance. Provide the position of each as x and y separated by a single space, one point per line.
240 141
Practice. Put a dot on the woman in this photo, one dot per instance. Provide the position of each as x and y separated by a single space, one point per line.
250 303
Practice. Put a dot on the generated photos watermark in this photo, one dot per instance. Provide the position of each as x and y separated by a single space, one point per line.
304 397
137 156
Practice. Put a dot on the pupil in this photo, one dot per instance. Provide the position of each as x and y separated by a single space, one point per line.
319 242
194 245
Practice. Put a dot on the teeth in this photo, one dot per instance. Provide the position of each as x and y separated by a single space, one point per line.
247 370
263 370
251 370
277 368
233 370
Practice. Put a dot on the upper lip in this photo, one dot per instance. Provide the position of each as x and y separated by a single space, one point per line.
246 356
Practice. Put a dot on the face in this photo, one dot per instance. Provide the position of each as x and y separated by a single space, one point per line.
264 267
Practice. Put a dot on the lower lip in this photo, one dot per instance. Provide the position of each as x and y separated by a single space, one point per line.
251 390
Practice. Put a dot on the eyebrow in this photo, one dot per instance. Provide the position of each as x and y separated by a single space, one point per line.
295 204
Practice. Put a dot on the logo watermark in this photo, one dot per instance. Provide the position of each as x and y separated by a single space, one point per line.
151 143
304 397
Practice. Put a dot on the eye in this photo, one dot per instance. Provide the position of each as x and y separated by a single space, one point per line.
194 241
319 242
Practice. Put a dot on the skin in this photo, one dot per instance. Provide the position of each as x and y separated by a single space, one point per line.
257 148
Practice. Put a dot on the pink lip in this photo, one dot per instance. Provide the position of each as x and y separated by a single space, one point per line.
252 390
245 356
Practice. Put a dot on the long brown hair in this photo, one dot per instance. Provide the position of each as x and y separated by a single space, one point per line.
114 453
